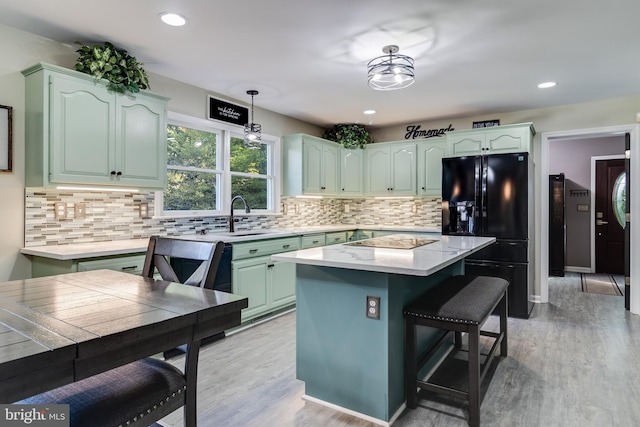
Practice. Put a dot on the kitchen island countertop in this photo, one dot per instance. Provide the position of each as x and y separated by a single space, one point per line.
419 261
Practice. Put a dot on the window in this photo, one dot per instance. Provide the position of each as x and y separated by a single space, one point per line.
619 198
208 164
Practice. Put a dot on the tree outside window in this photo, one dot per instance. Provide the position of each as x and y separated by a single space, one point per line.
201 180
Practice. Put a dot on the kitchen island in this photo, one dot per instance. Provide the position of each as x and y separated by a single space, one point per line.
352 362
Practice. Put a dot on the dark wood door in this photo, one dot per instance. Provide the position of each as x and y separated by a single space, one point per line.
609 231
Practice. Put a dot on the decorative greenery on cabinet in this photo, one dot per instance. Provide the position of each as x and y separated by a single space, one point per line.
105 61
349 135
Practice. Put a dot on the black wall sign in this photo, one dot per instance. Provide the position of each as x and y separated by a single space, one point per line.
486 124
414 131
226 112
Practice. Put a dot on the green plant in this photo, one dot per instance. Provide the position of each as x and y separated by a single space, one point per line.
349 135
105 61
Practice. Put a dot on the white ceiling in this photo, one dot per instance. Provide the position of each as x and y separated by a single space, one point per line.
308 57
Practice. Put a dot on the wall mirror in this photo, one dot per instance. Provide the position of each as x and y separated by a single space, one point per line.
5 138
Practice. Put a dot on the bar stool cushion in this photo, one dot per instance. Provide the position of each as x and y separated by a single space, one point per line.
118 396
461 299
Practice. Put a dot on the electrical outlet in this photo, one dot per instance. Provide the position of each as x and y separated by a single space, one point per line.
346 207
60 210
373 307
144 210
80 210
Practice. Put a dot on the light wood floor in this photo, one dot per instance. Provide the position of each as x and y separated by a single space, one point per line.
575 362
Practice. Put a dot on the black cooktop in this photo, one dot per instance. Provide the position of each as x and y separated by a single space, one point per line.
393 242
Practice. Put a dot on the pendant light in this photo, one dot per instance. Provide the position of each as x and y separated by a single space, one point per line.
390 71
252 131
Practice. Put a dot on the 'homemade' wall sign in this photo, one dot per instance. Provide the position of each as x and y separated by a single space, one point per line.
486 124
227 112
414 131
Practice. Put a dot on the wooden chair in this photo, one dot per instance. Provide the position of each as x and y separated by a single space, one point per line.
142 392
162 249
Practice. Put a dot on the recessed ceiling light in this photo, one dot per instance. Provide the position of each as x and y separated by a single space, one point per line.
173 19
546 85
369 111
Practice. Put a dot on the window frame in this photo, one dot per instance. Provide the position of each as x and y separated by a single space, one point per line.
225 132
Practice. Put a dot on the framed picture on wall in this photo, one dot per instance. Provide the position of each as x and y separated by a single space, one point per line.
5 138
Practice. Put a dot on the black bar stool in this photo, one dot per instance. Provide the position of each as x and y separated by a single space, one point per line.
459 304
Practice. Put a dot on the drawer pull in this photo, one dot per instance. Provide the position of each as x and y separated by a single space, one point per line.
133 267
316 241
253 251
285 246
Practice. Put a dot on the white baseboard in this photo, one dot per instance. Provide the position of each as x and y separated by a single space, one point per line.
357 414
571 269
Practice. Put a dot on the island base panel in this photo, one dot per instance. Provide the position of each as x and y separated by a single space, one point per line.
345 358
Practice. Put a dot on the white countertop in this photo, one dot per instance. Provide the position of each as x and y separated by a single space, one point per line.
421 261
119 247
88 250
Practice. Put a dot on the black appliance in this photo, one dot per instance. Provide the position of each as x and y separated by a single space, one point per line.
493 196
557 237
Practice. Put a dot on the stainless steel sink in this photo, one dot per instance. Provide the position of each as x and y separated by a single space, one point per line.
243 233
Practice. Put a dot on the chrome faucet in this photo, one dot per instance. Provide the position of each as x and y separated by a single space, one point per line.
246 210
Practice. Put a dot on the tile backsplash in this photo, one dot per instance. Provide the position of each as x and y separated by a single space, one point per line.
116 216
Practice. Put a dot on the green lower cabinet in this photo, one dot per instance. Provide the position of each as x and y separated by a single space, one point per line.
268 284
130 263
359 235
283 283
336 237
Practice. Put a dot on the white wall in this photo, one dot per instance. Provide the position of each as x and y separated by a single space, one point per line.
19 51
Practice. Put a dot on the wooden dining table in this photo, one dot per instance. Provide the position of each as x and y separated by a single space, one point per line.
58 329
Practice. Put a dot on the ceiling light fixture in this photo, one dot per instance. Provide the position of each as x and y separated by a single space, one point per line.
252 131
390 71
546 85
173 19
368 112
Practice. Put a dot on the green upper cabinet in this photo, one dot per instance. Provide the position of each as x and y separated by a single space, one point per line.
78 132
313 159
500 139
351 172
390 169
430 154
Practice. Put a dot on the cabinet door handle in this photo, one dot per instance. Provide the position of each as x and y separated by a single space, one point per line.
132 267
113 172
119 173
270 265
423 188
253 251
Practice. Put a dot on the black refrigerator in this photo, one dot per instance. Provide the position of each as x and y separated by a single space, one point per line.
493 196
